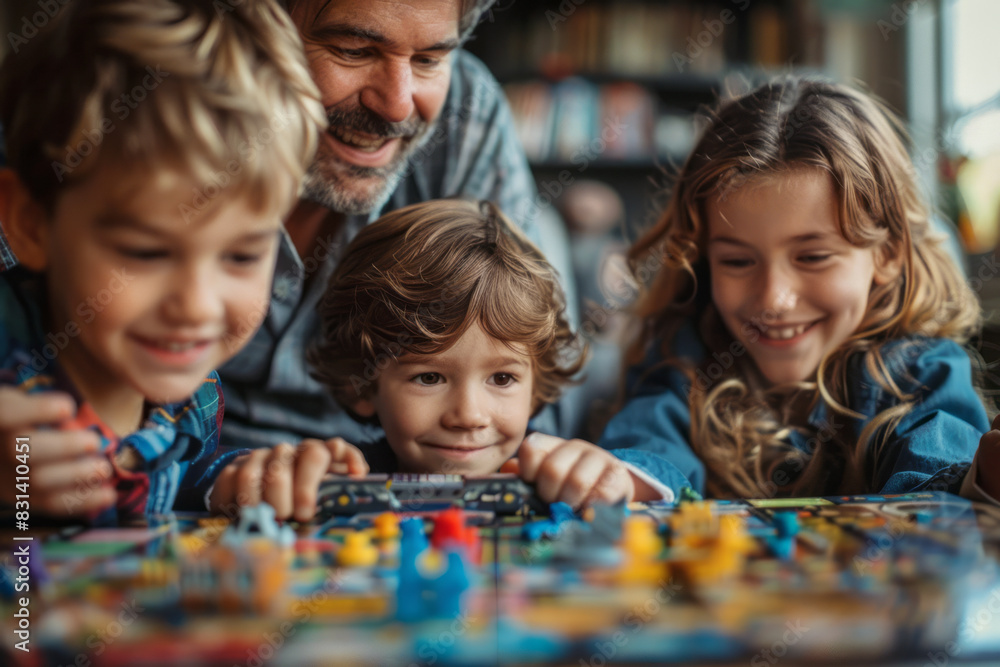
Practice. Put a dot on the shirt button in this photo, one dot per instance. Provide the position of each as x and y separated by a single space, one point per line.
283 287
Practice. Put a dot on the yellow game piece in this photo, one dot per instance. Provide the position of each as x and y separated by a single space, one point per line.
711 553
358 551
642 548
639 538
386 526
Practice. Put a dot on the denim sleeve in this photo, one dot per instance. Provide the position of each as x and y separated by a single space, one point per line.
653 432
934 443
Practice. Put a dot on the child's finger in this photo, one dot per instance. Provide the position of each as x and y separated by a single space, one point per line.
544 442
50 445
553 471
581 480
276 487
356 463
75 502
996 423
613 485
312 463
19 409
62 476
250 477
533 451
990 439
224 492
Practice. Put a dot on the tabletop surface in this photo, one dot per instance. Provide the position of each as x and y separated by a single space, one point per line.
853 580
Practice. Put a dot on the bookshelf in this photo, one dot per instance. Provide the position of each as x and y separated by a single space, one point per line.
609 89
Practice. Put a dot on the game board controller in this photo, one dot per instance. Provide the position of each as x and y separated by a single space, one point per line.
501 493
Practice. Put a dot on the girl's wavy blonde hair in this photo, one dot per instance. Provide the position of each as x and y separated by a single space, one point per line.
217 91
416 279
739 431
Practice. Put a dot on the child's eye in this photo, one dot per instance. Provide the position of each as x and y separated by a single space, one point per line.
244 258
503 379
735 263
815 258
143 254
428 379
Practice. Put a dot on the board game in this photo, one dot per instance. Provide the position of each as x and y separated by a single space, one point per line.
854 580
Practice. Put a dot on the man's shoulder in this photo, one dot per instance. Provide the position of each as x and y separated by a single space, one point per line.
471 72
474 95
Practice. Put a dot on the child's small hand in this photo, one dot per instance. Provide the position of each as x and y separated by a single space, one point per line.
988 461
285 477
575 472
68 476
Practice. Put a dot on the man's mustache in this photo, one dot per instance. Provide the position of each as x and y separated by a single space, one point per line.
364 121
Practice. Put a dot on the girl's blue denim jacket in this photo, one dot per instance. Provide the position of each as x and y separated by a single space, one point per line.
931 447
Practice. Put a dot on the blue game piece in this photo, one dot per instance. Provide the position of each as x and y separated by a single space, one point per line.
786 524
409 591
409 598
559 514
450 586
786 527
413 535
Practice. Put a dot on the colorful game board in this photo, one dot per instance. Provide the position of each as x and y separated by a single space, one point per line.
911 579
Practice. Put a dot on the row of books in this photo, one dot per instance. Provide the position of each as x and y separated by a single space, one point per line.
580 122
647 39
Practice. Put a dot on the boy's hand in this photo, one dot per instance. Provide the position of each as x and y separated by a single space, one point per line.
572 471
988 461
67 474
285 477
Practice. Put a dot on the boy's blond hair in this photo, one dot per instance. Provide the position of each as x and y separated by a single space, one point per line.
219 92
416 279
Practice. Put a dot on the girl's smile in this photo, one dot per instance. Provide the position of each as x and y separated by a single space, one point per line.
785 281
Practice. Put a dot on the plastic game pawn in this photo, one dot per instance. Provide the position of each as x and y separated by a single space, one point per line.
414 538
559 515
409 591
714 558
786 527
386 526
358 551
642 548
450 530
450 586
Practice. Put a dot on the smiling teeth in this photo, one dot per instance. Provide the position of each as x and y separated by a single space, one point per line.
784 333
367 145
177 347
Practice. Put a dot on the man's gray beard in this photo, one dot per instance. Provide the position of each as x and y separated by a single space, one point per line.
318 189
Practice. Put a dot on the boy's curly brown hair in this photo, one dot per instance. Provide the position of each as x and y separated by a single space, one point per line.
416 279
